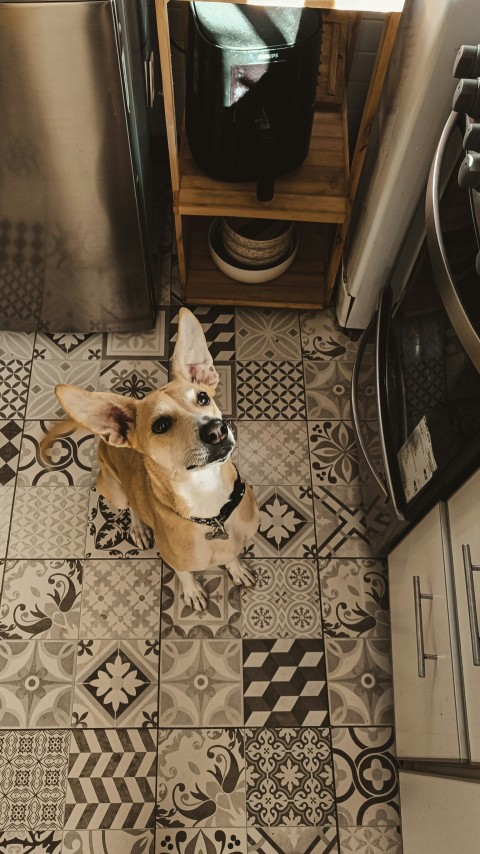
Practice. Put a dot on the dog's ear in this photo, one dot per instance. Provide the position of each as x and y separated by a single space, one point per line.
109 415
191 358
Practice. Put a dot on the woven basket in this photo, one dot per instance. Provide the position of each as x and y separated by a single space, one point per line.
257 242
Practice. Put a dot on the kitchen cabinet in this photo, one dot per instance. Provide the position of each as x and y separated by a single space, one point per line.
318 195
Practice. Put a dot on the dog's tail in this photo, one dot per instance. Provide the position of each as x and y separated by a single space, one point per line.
61 428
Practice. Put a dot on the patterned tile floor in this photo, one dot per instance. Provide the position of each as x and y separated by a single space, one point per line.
130 725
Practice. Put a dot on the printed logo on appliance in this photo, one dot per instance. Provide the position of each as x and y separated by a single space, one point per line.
268 55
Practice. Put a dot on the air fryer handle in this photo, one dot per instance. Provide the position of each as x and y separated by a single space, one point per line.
266 144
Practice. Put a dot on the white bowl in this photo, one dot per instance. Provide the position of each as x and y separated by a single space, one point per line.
240 272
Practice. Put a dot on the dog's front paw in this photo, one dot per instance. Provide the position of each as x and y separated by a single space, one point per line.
140 533
195 597
240 575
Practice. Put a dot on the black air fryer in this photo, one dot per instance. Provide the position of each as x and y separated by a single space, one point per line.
251 85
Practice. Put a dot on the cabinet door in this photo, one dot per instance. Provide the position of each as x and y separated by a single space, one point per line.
428 703
464 516
439 815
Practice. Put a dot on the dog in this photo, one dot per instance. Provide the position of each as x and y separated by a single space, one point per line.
168 459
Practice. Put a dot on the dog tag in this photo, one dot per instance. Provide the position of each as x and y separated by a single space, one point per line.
218 533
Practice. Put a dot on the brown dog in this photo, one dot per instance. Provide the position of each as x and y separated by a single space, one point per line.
167 458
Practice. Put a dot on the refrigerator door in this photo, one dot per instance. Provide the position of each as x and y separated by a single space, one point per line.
73 243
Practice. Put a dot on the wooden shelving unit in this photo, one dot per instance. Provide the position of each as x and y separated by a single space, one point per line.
318 195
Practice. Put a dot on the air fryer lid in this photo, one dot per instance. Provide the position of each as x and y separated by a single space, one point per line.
244 27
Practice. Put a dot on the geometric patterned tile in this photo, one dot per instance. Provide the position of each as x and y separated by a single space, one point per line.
323 340
29 842
6 501
333 453
201 779
286 523
354 598
267 333
111 779
10 439
292 840
41 599
42 402
108 532
219 327
201 683
33 776
340 523
370 840
359 676
366 776
289 777
49 522
16 345
273 452
271 390
68 345
215 841
107 842
284 602
132 377
15 375
121 599
284 682
66 462
36 683
151 342
221 617
327 389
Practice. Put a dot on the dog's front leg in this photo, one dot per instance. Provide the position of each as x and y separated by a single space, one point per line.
193 593
241 576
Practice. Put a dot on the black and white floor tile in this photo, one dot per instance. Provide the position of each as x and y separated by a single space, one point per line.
130 724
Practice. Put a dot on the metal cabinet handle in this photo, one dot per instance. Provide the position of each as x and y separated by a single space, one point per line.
421 654
470 568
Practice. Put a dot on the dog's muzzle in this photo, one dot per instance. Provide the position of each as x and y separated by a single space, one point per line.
213 432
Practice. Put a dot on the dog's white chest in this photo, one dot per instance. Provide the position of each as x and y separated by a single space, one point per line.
203 492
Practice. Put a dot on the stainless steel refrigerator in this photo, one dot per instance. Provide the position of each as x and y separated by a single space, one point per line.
75 166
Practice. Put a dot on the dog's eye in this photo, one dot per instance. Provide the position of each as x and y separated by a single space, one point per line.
161 425
203 398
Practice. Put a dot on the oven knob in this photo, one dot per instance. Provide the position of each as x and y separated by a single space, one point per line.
467 61
471 140
466 98
469 172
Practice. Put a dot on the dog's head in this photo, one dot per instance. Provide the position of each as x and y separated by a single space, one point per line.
178 426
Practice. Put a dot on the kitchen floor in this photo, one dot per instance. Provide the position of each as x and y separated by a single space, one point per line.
129 724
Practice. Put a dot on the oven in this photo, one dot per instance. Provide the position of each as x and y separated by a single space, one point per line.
416 379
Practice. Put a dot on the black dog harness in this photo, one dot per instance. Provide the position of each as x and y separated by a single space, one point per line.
218 522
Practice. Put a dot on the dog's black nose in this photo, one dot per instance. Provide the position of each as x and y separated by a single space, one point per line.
213 431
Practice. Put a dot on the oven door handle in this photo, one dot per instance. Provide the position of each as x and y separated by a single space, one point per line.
355 409
441 269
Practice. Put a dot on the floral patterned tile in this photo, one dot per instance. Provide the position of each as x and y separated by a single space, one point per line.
327 389
292 840
201 683
41 599
66 462
108 532
333 453
133 378
285 601
150 343
36 682
116 684
267 333
111 780
42 402
370 840
15 375
366 776
121 599
289 777
6 502
49 522
340 523
218 326
355 598
211 765
359 676
16 345
68 345
107 842
221 617
10 440
323 340
29 842
225 395
271 390
273 452
210 841
286 523
33 779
